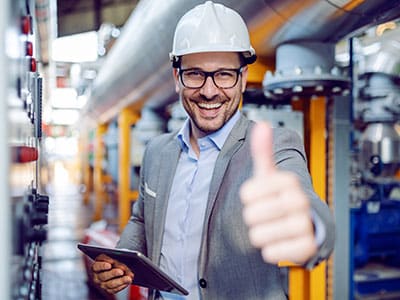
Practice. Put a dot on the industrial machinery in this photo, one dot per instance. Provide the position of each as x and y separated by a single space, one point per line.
24 205
375 201
280 116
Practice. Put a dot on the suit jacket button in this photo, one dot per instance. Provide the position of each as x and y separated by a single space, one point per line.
203 283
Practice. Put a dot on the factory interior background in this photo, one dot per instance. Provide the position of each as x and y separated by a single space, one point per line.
86 84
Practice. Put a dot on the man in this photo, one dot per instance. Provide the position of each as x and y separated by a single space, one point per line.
223 200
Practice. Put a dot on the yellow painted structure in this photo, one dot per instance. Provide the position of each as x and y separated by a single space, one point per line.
304 284
86 170
126 119
318 170
98 180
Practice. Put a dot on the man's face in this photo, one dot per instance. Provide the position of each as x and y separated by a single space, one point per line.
210 107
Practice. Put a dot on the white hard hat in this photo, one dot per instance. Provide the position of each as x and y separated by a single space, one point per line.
211 27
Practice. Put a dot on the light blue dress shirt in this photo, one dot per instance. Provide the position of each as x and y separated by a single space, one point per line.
187 205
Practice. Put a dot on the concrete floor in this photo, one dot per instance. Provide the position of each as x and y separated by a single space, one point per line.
63 273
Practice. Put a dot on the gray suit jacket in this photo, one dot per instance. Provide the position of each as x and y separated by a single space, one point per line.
228 266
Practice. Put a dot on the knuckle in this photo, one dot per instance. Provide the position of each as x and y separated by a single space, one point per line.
255 237
93 267
247 215
244 192
115 272
304 223
268 255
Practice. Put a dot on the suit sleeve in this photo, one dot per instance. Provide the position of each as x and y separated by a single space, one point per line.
290 156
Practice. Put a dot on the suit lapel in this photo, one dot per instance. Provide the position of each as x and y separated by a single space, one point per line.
232 144
169 161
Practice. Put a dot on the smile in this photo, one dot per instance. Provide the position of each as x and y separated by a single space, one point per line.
209 105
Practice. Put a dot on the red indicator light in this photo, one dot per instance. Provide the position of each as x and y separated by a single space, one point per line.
26 24
24 154
33 64
29 48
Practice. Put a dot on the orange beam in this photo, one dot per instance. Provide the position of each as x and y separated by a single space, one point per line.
126 119
304 284
318 170
299 278
98 172
299 284
85 166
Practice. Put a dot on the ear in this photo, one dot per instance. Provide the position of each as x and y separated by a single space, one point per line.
175 74
245 73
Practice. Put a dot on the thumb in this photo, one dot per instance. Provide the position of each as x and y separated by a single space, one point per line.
262 149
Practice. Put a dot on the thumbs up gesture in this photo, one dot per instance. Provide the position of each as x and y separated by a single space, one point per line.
276 209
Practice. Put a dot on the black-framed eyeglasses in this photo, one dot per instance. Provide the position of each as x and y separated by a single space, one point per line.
195 78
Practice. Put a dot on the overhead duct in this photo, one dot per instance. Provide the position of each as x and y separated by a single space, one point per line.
137 69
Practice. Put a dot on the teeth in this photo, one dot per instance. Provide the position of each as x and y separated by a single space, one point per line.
209 105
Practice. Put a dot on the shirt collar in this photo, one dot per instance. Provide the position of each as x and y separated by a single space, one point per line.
218 137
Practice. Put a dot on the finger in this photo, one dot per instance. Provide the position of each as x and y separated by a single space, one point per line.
276 183
258 212
118 282
281 230
110 275
262 149
123 267
255 189
116 285
268 208
105 258
100 266
296 250
117 289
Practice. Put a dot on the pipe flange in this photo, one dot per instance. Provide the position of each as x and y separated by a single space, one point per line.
298 84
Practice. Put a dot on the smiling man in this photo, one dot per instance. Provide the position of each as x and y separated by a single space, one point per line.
222 200
210 86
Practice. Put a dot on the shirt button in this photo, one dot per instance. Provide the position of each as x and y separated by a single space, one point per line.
203 283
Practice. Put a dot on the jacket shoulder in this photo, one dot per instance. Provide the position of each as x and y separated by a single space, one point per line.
158 142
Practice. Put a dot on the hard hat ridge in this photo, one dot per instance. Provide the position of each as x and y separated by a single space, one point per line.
211 27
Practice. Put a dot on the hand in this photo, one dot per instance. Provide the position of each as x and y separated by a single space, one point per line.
111 275
276 209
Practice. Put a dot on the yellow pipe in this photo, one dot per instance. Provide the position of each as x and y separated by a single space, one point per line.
98 172
85 167
126 119
303 284
299 284
318 170
299 278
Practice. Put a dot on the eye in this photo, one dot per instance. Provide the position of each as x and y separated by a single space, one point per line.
193 73
225 74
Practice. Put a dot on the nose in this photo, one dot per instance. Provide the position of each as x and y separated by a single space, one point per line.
209 90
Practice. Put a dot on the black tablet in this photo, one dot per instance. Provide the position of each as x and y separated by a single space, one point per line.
147 274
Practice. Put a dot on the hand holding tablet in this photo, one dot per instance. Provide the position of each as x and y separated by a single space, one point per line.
110 275
132 264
